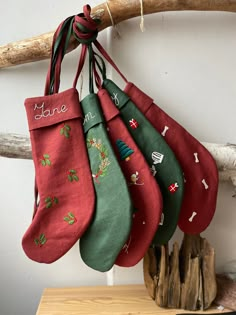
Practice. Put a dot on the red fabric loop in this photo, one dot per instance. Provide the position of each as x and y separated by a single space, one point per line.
108 58
81 64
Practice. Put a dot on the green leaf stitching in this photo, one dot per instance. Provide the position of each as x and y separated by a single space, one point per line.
67 127
75 177
48 162
48 204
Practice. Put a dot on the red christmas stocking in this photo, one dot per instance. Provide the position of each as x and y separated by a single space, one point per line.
145 192
200 170
63 176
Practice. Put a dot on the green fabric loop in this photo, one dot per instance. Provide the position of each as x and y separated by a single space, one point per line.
86 41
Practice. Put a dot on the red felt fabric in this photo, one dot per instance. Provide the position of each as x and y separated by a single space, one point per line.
200 170
63 176
144 190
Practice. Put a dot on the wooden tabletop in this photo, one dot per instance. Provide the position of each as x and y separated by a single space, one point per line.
103 300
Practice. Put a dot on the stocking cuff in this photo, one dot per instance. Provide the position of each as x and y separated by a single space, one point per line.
52 109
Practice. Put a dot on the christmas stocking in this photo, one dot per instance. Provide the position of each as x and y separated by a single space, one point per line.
200 170
159 156
145 192
110 228
111 223
62 174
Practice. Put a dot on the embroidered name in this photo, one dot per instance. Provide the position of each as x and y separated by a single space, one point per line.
88 117
115 98
44 113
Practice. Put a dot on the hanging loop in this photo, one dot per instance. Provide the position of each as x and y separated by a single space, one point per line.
84 27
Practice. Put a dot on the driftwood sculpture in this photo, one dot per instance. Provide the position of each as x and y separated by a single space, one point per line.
184 278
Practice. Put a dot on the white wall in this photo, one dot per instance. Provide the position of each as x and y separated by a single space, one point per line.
185 61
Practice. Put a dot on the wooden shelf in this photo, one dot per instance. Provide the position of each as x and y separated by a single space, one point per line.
103 300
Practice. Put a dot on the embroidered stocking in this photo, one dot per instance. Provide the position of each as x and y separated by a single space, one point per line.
63 176
110 228
159 156
200 170
111 224
145 192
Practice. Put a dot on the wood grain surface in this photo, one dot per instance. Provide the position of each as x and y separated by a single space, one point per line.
103 300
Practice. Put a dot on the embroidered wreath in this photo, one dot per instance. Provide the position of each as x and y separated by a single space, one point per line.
103 157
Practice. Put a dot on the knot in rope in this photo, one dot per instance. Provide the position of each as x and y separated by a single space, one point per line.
85 27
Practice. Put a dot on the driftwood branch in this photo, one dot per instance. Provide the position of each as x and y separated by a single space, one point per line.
15 146
18 147
38 48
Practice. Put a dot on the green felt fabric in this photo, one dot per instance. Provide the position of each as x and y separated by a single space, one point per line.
111 224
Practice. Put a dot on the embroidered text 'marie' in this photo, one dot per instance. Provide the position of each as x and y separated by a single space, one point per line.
44 113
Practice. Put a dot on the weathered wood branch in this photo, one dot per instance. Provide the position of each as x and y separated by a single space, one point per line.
15 146
18 147
38 48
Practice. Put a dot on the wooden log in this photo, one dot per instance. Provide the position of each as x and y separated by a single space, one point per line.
39 47
185 278
150 271
208 273
163 278
190 272
174 290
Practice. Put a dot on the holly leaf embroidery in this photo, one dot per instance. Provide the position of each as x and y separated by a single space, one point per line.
73 171
70 219
70 178
67 127
47 162
43 162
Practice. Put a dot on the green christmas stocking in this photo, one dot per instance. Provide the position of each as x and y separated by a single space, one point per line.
110 228
160 157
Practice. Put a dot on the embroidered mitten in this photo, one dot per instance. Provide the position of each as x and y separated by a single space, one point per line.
145 192
159 156
200 170
110 228
63 176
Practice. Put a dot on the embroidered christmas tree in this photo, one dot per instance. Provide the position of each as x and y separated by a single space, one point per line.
124 150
